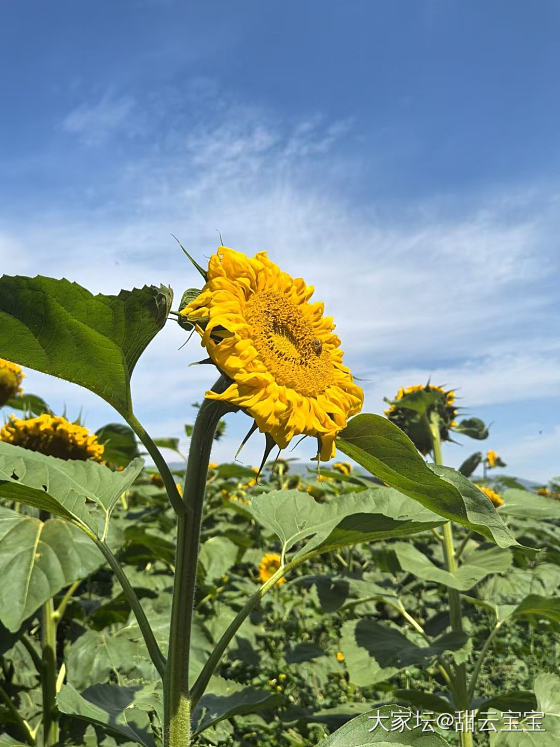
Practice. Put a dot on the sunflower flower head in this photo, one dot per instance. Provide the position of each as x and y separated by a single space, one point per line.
268 566
11 376
344 467
277 349
491 494
412 408
54 436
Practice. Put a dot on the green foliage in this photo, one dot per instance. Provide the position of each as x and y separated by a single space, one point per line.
61 329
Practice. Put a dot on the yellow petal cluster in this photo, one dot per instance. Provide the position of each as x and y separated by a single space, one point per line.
492 458
491 494
11 377
268 566
344 467
285 363
54 436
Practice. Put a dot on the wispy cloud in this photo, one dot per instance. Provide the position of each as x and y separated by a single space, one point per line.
95 122
452 294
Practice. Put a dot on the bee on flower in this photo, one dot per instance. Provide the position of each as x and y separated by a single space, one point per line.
276 348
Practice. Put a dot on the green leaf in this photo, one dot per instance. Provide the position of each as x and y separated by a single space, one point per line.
119 442
167 443
547 692
535 606
526 505
226 699
425 700
384 450
374 653
62 486
28 403
189 295
217 555
60 328
111 707
476 566
374 514
470 464
472 427
374 728
37 560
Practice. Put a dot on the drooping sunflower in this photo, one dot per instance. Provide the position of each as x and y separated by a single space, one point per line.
11 377
268 566
491 494
344 467
412 408
53 435
277 348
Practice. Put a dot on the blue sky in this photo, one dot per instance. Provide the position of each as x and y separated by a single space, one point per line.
401 157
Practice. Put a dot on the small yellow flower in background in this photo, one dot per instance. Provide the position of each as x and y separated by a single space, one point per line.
281 677
491 494
54 436
11 377
268 566
156 479
213 465
285 363
344 467
324 478
340 656
491 457
544 491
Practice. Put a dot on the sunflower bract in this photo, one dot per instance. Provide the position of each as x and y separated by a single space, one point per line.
278 349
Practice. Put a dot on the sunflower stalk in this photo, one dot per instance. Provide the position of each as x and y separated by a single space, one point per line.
462 700
177 699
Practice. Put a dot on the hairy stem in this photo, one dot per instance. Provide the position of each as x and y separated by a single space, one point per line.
147 633
161 464
462 700
480 660
48 674
177 705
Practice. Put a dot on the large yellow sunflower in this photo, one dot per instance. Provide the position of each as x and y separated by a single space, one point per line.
54 436
11 376
279 351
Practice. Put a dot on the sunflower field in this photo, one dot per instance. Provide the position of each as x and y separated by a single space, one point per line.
374 597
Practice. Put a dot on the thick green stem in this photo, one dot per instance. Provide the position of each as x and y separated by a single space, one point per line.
161 464
462 700
147 633
177 706
48 674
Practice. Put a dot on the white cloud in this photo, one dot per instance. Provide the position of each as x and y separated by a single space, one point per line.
95 122
457 297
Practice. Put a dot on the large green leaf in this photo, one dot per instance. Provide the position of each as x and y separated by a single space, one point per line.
28 403
376 727
225 699
477 565
384 450
378 513
38 559
375 652
112 707
119 444
525 505
542 731
60 328
62 486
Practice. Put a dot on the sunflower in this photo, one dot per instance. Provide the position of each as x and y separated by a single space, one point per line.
277 348
411 410
54 436
344 467
10 380
268 566
491 494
